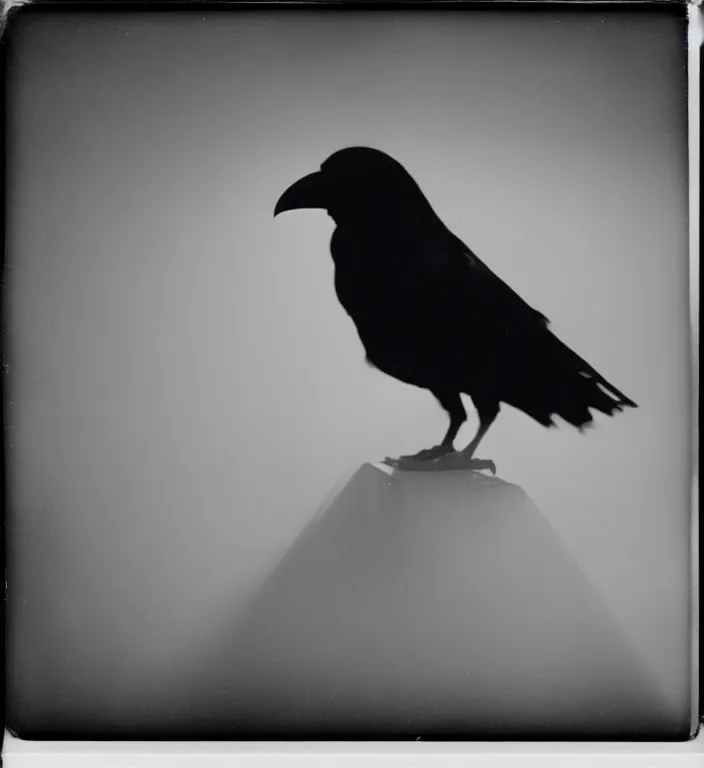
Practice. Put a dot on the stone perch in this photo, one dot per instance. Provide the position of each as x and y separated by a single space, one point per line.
431 605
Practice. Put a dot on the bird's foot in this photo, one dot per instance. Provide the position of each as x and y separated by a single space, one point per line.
462 461
426 459
440 458
430 454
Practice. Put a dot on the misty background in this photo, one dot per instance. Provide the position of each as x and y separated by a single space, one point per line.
182 387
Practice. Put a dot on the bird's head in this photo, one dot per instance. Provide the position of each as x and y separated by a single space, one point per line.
357 184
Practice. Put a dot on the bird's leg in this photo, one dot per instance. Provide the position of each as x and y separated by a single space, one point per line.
442 449
429 457
447 459
487 411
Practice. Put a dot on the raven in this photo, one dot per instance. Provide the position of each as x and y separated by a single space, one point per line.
431 314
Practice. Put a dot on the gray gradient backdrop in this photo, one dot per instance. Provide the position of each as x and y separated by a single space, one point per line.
183 388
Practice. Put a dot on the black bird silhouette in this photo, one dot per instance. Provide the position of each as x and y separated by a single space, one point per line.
431 314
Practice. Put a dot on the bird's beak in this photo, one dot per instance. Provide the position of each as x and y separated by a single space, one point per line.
307 192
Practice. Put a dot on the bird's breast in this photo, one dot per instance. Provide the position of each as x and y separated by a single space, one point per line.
388 307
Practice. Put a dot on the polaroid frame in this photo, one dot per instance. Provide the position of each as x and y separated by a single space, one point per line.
19 753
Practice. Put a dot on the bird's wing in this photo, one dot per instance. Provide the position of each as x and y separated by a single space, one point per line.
502 318
494 302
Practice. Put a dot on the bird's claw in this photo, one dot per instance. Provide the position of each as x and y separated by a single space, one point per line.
480 464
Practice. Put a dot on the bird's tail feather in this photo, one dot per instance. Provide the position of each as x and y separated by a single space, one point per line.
588 372
547 380
588 389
